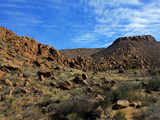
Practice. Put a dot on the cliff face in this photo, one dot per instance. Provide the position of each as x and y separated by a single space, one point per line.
28 47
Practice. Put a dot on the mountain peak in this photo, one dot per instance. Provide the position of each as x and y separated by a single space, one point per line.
143 38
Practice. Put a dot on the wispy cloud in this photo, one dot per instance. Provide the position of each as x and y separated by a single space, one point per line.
122 18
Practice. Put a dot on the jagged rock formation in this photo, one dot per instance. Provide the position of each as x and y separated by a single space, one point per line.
74 53
14 45
125 52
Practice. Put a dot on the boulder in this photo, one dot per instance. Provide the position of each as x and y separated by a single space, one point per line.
121 71
66 85
42 78
123 103
8 82
45 73
37 63
11 66
84 76
78 79
85 82
2 74
26 75
54 84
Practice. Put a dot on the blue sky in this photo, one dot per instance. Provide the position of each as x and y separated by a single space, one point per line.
68 24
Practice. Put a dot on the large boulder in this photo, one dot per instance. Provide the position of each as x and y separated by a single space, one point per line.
45 73
2 74
11 66
123 103
66 85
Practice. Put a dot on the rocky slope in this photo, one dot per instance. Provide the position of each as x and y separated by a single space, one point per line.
125 52
14 45
132 52
73 53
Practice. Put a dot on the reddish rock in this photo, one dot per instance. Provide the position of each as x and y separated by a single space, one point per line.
54 78
37 63
78 79
26 83
8 82
45 73
66 85
11 66
2 74
84 76
42 78
23 90
1 87
54 84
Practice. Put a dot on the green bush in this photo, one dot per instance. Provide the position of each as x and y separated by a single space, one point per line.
153 85
120 116
152 113
81 107
124 91
152 72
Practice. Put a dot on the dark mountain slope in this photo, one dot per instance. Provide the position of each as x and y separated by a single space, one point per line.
73 53
132 52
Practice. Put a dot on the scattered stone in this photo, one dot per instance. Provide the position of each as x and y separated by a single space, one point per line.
1 87
99 98
145 83
2 74
113 83
85 82
78 79
26 84
123 103
54 84
19 117
66 85
24 90
98 84
54 78
28 80
10 92
121 71
11 66
42 78
45 73
84 76
37 63
58 68
26 75
89 89
8 82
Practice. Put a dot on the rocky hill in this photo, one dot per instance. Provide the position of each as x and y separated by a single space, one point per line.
73 53
132 52
125 52
28 48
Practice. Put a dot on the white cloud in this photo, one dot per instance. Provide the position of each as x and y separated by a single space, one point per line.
123 18
86 38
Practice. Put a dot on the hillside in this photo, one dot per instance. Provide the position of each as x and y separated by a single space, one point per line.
73 53
132 52
38 83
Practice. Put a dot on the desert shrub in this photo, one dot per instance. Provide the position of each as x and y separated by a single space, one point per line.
152 72
124 91
82 108
152 113
120 116
153 85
